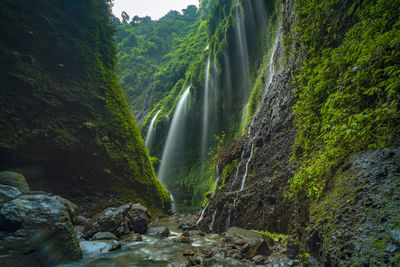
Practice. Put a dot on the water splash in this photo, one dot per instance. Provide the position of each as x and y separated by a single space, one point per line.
174 135
150 133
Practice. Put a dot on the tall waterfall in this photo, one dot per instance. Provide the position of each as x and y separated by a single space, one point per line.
150 133
205 109
174 136
241 39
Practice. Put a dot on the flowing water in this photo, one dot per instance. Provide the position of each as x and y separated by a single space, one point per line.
247 169
205 109
150 133
175 135
151 252
211 226
271 70
241 40
202 213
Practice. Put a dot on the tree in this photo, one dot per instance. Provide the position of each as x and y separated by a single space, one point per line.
125 17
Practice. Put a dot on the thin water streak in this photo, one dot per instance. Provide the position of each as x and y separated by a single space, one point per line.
150 133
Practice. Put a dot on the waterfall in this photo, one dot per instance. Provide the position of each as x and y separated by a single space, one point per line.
242 41
270 71
202 213
175 133
205 109
247 168
228 219
150 133
211 226
216 171
237 171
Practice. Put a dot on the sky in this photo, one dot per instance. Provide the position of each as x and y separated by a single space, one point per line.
153 8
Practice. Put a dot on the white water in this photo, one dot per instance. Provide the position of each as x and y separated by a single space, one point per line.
175 133
202 213
271 73
237 171
173 208
205 109
216 171
247 168
243 50
150 133
211 226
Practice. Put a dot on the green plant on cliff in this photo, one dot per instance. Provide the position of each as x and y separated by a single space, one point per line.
63 112
348 87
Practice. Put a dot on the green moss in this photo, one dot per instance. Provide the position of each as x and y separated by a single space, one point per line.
275 236
347 88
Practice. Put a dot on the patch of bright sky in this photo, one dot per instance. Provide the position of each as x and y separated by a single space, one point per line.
153 8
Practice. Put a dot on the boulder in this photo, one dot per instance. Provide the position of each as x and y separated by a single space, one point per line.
252 243
109 220
182 239
138 218
99 246
161 231
104 236
8 193
72 208
16 180
36 231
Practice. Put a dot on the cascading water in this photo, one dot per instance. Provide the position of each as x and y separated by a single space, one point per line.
247 169
150 133
270 72
216 171
174 136
242 45
211 226
202 213
237 171
228 219
205 109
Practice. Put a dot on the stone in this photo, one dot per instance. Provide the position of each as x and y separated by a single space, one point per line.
253 243
258 259
138 218
396 235
72 208
136 237
8 193
189 252
99 246
161 231
104 236
195 233
109 220
16 180
182 239
292 248
81 220
36 231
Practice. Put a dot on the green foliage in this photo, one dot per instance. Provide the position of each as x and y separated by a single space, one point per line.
348 90
155 55
275 236
62 107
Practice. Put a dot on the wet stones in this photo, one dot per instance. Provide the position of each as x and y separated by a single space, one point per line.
161 231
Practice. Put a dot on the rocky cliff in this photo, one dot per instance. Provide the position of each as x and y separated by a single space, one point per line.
65 123
312 162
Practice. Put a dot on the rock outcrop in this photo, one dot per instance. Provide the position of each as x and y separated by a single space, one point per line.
36 231
119 221
66 125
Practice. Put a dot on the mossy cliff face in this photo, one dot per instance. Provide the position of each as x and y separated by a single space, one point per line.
65 122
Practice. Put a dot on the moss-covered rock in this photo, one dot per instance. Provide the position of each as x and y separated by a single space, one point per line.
16 180
65 122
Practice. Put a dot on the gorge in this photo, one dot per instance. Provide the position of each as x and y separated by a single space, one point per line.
260 132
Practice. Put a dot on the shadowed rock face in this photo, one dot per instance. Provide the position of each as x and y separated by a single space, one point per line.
36 230
359 214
